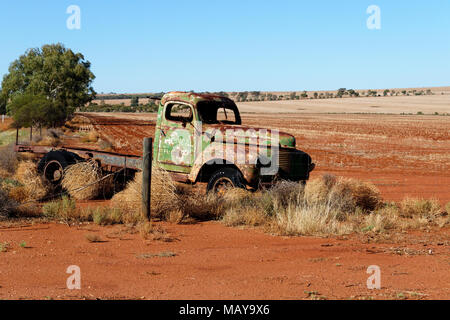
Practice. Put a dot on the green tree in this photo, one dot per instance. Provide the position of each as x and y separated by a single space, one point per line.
341 92
292 95
2 104
135 101
36 111
52 72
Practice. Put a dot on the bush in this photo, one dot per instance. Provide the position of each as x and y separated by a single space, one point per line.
34 188
82 180
107 216
421 208
164 198
343 194
327 205
8 160
63 209
7 205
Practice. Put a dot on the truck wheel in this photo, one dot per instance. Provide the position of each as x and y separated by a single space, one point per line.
225 179
52 166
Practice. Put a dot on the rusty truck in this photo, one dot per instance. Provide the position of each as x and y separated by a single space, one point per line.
199 138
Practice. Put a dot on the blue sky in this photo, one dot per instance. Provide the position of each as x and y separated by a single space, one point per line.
151 46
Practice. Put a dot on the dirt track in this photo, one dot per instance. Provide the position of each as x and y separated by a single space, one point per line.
215 262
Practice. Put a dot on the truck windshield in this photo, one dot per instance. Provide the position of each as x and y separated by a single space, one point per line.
214 112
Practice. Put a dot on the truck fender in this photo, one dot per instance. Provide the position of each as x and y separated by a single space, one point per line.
247 167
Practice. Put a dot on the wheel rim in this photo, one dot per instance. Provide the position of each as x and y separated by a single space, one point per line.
222 185
53 172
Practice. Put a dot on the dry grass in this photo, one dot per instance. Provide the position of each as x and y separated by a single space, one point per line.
91 137
7 205
163 196
65 210
105 215
447 208
327 206
33 187
420 208
198 206
149 231
343 194
82 181
8 161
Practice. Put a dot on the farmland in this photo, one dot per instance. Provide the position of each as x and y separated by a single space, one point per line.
402 155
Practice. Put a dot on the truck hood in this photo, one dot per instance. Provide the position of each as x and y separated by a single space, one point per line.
248 134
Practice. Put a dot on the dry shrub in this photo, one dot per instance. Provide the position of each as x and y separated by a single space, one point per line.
55 133
367 196
200 206
81 180
49 141
447 208
420 208
91 137
318 219
105 145
5 174
19 193
8 161
412 214
63 209
149 231
34 187
286 192
343 194
327 205
163 196
377 222
244 216
106 215
54 137
242 207
7 205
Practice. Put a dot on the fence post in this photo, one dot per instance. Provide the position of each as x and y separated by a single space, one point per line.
147 177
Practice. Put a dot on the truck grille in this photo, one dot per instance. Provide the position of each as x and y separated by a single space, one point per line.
293 164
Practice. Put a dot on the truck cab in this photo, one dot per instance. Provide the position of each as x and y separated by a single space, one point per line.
200 138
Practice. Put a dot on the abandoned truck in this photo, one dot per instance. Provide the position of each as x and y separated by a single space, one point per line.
198 138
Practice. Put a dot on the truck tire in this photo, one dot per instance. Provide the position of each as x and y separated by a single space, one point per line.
53 164
225 178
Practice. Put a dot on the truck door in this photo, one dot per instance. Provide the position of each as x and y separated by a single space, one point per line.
176 143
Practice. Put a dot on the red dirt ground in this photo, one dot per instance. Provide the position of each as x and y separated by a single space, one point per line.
216 262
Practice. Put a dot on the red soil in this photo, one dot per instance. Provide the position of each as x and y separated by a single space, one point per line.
216 262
